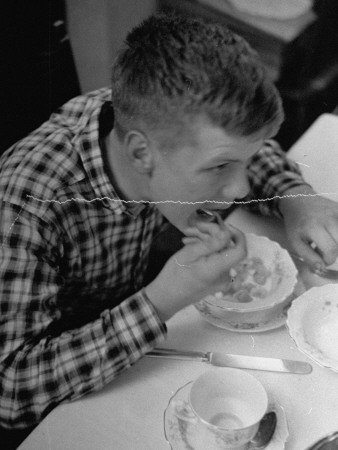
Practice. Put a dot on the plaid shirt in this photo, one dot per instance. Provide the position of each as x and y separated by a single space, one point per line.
72 313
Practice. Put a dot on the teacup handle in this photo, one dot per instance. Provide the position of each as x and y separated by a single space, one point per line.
183 411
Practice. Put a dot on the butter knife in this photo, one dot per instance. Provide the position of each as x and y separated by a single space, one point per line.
238 361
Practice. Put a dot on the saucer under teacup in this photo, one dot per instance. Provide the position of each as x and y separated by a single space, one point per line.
183 435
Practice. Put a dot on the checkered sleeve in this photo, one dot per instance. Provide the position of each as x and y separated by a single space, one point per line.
38 369
270 175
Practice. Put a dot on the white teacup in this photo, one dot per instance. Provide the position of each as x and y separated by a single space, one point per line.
229 404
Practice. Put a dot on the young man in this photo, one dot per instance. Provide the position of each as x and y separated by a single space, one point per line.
184 127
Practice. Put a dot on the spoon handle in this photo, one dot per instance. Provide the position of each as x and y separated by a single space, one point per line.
324 273
265 431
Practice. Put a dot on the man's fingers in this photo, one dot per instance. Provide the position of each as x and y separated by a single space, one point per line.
234 246
325 246
238 249
332 229
237 236
195 233
214 237
190 240
310 256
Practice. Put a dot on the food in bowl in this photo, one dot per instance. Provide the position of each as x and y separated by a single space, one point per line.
261 287
250 279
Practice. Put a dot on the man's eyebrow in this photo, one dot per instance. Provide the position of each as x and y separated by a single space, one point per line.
224 159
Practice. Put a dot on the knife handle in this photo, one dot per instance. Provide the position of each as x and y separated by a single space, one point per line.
177 354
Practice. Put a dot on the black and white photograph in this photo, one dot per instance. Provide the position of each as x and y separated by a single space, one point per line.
169 225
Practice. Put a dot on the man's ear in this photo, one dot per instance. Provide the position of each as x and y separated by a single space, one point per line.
139 151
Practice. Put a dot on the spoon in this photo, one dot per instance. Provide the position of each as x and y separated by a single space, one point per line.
265 431
214 217
331 274
211 216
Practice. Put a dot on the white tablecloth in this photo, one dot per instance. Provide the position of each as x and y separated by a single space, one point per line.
128 414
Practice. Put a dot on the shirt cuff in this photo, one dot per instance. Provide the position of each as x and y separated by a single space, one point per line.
284 184
138 326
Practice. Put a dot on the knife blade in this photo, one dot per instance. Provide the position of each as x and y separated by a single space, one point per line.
236 361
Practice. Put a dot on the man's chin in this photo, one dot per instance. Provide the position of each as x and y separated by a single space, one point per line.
180 223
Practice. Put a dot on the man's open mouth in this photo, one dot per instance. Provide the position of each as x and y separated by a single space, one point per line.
210 213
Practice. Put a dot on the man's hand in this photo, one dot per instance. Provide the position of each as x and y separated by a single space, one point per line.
200 268
311 224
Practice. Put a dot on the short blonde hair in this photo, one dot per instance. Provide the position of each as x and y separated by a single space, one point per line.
173 69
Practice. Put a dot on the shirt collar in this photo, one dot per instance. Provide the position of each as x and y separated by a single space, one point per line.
88 147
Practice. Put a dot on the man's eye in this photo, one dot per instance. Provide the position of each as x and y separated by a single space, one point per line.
220 167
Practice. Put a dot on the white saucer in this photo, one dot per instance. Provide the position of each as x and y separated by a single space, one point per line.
259 327
182 435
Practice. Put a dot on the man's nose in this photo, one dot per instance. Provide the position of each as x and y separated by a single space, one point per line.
239 188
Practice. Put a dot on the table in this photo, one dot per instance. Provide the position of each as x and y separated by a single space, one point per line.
128 413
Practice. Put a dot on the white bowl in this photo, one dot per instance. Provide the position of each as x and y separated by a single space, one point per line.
313 324
224 311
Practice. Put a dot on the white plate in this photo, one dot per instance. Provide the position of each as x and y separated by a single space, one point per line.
273 9
182 435
313 324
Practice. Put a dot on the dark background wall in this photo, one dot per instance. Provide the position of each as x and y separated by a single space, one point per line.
37 69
